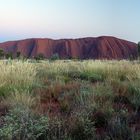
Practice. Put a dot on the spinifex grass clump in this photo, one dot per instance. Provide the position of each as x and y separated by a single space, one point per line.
69 100
93 77
21 120
16 75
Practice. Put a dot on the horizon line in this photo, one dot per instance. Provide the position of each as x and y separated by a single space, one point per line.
68 38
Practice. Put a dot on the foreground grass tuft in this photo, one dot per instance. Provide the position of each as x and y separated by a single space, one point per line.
69 100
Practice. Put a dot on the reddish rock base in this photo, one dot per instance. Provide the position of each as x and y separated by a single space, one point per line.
85 48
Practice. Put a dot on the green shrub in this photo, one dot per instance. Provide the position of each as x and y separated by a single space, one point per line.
93 77
82 128
55 57
21 123
40 57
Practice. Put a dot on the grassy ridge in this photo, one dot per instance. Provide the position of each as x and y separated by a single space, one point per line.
70 100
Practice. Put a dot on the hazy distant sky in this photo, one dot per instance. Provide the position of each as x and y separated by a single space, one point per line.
21 19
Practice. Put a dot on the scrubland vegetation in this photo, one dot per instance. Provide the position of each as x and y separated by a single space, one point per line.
69 100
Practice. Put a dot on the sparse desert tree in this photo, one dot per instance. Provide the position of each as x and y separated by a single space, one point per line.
9 55
18 54
1 53
139 49
40 56
55 56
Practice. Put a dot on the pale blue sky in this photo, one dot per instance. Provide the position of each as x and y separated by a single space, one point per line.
56 19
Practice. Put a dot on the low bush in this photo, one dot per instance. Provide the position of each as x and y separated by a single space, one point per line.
118 128
93 77
82 128
21 123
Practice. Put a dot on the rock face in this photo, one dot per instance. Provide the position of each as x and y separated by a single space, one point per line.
85 48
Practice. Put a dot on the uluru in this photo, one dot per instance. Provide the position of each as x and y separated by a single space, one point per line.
104 47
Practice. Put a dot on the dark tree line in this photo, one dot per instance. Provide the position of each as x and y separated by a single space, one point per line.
8 55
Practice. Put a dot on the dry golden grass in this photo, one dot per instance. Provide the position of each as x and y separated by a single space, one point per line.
71 90
17 73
